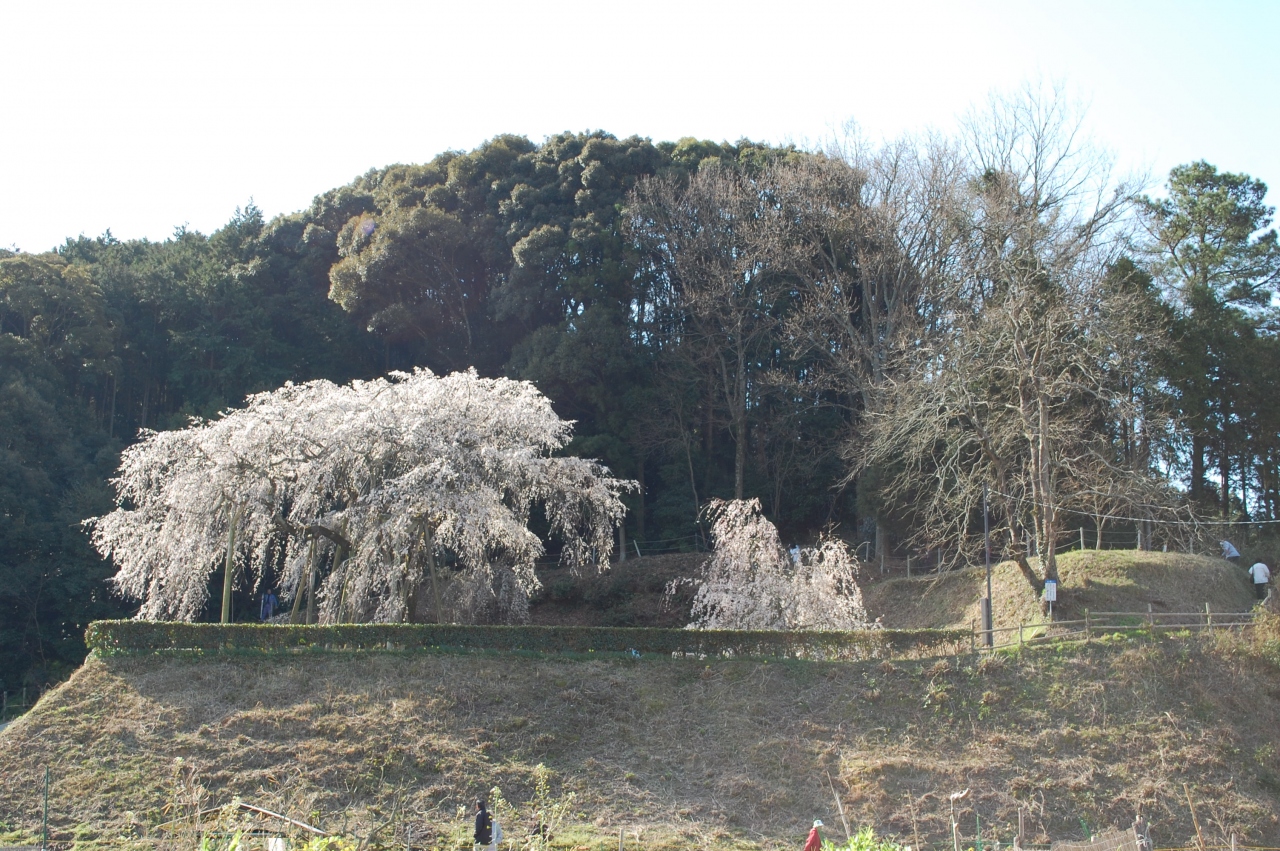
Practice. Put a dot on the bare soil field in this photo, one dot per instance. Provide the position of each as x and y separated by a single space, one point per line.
681 753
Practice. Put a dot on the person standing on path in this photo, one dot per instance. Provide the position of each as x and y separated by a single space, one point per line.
484 827
1261 575
814 842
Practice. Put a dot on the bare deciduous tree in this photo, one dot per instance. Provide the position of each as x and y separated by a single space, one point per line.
1005 383
721 239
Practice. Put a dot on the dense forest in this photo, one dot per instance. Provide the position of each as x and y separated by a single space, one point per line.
870 340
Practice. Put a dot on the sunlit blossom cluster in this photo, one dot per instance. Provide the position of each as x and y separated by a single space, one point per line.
752 582
404 495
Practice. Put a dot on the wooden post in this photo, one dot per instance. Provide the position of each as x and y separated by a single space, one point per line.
1086 625
1194 820
1019 636
1208 616
228 571
44 829
1151 617
908 565
840 808
430 544
1082 539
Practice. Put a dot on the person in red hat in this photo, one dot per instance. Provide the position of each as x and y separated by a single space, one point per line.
814 842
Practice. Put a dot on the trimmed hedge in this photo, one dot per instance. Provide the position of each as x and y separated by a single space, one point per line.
128 636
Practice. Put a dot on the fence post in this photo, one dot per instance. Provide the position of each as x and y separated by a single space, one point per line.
44 831
908 565
1151 618
1081 539
1208 617
1086 625
1019 635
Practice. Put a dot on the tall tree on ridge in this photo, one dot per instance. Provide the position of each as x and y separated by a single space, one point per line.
1214 251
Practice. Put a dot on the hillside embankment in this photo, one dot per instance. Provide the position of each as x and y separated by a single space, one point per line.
676 753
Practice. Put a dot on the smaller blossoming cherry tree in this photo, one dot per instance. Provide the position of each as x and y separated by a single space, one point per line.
751 582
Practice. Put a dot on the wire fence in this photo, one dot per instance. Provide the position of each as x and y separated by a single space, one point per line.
15 703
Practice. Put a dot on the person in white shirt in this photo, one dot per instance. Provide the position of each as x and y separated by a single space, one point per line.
1229 552
1261 575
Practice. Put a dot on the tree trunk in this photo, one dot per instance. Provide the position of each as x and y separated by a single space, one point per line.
1224 470
1197 466
296 611
429 543
640 497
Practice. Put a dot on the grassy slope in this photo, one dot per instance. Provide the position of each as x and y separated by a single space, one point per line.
1107 581
684 752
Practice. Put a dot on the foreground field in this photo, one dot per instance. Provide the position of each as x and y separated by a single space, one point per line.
682 753
678 752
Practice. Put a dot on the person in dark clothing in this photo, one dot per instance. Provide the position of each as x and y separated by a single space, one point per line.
484 826
269 603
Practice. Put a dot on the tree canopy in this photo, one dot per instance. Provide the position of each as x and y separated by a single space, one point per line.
974 271
376 480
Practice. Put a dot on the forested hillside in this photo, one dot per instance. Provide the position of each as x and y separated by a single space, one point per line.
721 320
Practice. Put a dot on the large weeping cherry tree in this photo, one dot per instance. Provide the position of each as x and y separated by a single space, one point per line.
405 498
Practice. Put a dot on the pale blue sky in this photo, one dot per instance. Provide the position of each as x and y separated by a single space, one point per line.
140 117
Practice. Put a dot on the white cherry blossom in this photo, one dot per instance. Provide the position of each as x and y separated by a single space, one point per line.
396 498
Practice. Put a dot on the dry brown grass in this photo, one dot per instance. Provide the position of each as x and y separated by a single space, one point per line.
677 752
1107 581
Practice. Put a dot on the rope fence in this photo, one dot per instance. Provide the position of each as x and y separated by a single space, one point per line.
1096 624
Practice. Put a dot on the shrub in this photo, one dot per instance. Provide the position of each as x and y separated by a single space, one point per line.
107 637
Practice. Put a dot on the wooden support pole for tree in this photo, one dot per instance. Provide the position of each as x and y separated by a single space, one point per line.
303 581
228 572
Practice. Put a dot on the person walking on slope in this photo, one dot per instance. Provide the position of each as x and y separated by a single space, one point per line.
1229 552
814 842
1261 575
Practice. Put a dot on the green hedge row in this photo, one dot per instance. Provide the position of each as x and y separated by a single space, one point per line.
141 636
